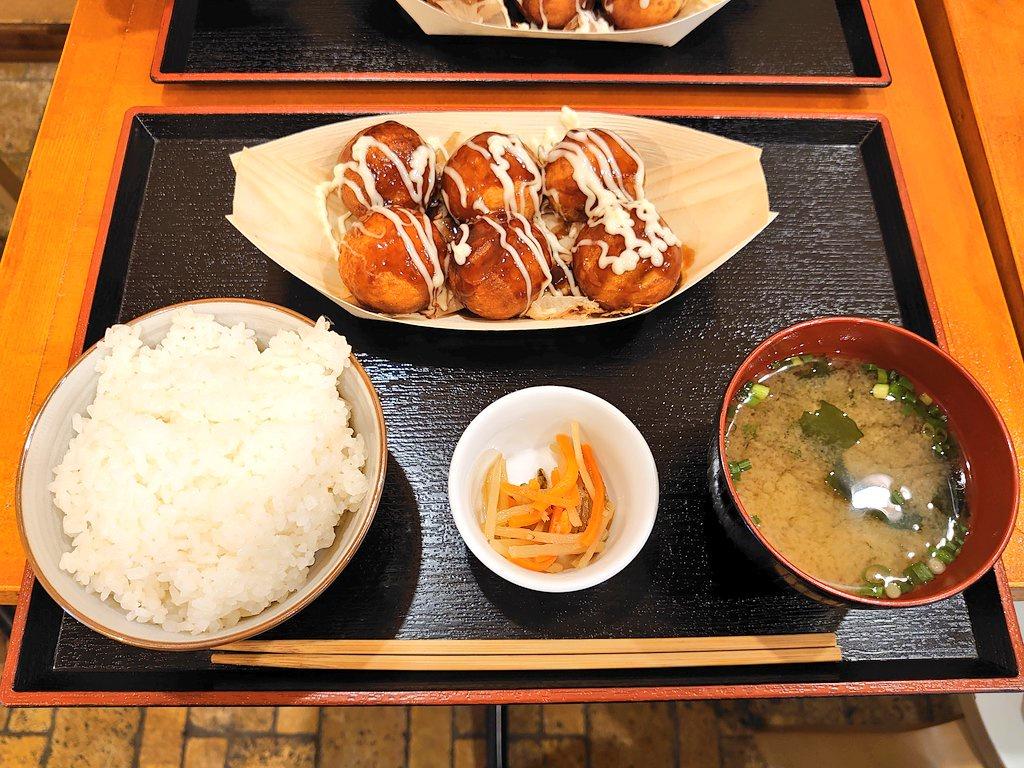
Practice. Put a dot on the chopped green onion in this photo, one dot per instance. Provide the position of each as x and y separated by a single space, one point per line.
893 589
756 519
737 468
896 497
944 554
759 392
882 376
876 574
919 573
924 398
871 590
881 391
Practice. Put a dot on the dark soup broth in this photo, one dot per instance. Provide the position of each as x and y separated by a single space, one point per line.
850 473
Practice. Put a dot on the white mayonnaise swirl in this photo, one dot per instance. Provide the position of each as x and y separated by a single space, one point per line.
415 230
499 151
526 231
618 220
418 176
598 174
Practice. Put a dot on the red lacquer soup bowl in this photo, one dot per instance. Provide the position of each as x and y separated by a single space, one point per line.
983 442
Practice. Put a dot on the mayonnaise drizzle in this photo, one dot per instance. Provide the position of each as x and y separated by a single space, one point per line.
462 250
419 222
497 153
604 185
418 177
618 220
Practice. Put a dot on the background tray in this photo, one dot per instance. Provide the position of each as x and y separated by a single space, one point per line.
772 42
841 244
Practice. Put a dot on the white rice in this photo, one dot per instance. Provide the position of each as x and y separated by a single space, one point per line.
208 473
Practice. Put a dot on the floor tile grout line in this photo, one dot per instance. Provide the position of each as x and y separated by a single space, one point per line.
408 734
139 732
676 751
586 736
454 736
318 750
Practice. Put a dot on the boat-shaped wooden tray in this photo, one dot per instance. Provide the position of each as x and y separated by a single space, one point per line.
844 243
758 42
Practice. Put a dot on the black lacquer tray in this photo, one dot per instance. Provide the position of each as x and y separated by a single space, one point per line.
841 244
764 42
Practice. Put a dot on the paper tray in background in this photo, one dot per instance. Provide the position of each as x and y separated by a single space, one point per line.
434 21
711 191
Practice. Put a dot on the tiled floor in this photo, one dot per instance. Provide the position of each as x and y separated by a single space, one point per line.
683 734
697 734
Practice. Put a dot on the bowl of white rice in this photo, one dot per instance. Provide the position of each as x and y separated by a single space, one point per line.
201 474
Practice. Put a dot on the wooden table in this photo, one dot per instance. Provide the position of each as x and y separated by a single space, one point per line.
975 45
105 71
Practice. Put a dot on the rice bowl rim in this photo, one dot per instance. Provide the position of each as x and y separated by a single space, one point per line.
326 580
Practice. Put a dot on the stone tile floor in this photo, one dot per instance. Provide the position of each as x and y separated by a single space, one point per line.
700 734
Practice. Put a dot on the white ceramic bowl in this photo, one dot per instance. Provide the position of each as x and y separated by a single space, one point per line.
39 521
522 426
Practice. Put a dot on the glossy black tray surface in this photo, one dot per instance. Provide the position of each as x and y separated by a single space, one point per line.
810 42
840 245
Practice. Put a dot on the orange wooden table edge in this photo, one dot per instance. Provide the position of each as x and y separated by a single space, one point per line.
105 72
978 48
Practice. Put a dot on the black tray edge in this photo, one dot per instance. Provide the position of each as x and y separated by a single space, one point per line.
170 29
1005 656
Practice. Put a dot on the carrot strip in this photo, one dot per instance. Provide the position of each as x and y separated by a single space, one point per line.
537 497
577 447
594 524
560 522
532 563
525 519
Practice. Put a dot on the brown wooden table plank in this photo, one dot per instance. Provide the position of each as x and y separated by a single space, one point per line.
978 48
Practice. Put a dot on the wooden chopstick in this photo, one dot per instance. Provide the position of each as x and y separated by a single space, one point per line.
492 662
519 647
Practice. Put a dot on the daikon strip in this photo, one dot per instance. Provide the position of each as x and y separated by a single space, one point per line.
531 535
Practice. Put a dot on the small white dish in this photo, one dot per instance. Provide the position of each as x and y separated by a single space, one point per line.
522 425
40 523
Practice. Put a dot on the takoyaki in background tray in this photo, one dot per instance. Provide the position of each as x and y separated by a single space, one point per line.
841 244
759 42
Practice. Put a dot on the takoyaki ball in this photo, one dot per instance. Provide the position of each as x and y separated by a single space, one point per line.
386 164
488 173
393 260
500 265
552 14
588 168
628 258
634 14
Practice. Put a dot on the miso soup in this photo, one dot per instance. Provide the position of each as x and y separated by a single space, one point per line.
849 473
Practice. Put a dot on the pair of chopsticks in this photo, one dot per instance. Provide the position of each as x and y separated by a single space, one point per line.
515 655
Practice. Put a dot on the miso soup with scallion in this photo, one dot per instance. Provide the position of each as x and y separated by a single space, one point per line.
850 473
